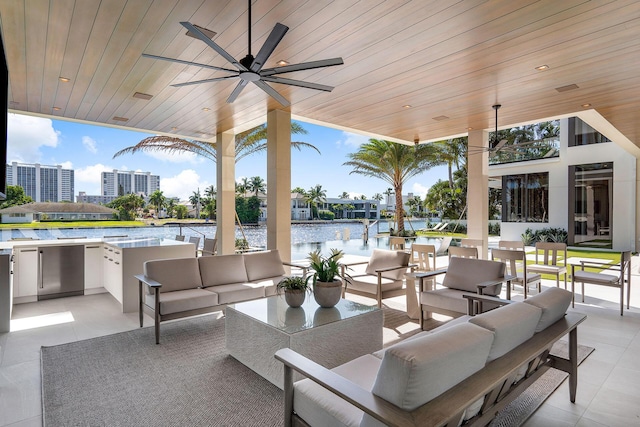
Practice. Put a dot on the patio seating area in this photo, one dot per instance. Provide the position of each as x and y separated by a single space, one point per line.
607 385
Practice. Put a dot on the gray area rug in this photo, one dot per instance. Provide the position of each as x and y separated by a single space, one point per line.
189 380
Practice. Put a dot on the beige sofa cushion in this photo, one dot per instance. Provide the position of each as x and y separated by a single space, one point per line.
262 265
512 325
175 274
185 300
319 407
236 292
222 270
414 372
554 303
382 258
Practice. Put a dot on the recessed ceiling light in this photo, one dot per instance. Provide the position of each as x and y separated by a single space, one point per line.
406 106
64 79
282 63
469 128
206 109
120 119
567 87
141 95
174 128
56 108
586 105
542 67
440 118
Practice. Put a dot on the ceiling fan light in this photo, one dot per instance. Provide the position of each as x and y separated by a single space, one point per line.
542 67
282 63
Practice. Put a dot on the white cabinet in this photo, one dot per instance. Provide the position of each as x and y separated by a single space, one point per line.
112 275
93 267
25 273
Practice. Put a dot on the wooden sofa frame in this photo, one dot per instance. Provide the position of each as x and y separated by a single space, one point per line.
495 382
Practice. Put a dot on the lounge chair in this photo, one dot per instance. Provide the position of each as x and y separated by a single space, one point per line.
434 228
444 245
604 279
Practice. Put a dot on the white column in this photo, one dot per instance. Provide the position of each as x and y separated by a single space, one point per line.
478 190
279 182
226 194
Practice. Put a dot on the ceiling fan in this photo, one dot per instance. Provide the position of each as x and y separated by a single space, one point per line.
494 144
249 69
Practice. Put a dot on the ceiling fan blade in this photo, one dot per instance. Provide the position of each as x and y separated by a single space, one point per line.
180 61
298 83
302 66
272 92
499 145
202 36
269 46
197 82
236 91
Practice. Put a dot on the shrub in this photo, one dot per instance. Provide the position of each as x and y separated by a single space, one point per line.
494 229
326 215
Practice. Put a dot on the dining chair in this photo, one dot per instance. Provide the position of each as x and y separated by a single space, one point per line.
604 279
515 261
471 243
396 243
209 247
511 245
179 238
423 256
461 252
550 253
196 241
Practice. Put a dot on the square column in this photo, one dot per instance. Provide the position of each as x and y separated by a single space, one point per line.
478 190
226 192
279 182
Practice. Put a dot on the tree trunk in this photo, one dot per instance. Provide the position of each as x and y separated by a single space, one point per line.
399 209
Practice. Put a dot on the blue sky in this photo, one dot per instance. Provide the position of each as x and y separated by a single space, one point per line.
89 150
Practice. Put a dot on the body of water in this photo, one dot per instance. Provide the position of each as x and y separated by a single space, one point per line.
305 238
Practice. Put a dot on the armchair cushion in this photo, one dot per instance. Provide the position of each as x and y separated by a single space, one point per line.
319 407
369 283
414 372
261 265
466 273
381 259
553 302
175 274
222 269
512 325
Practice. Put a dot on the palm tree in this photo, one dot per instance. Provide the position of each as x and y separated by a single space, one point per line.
247 143
195 199
394 163
314 196
210 191
452 152
378 197
257 185
158 200
171 207
344 195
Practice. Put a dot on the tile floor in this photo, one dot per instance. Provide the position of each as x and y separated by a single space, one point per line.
608 381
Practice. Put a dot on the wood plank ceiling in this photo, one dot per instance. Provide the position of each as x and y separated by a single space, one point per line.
448 60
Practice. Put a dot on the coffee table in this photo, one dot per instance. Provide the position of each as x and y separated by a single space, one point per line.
256 329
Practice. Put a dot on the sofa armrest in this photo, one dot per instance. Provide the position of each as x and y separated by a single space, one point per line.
304 268
364 400
147 281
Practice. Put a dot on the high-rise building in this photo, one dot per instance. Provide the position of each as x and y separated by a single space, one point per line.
42 183
119 183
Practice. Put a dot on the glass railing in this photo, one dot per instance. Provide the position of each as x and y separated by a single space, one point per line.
526 151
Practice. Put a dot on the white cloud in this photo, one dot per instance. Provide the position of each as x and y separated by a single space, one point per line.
25 136
352 139
183 185
66 165
88 178
90 144
419 190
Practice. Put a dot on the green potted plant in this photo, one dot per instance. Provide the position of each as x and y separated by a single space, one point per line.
326 279
295 289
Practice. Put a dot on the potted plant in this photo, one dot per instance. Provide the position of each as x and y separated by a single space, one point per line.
295 288
327 282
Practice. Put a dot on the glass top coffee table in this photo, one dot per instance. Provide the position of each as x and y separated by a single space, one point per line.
256 329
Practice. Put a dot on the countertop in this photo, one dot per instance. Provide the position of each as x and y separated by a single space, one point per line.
121 242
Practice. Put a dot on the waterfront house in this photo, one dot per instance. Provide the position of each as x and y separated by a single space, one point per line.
56 211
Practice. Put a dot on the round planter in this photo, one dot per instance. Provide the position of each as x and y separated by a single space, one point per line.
294 297
327 294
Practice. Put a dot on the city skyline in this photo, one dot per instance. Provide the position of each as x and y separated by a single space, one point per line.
88 149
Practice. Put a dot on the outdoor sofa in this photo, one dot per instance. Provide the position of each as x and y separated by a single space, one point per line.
182 287
462 372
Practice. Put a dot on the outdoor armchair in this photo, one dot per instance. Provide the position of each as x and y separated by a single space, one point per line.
604 279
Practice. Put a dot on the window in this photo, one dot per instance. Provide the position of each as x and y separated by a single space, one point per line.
525 198
580 133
